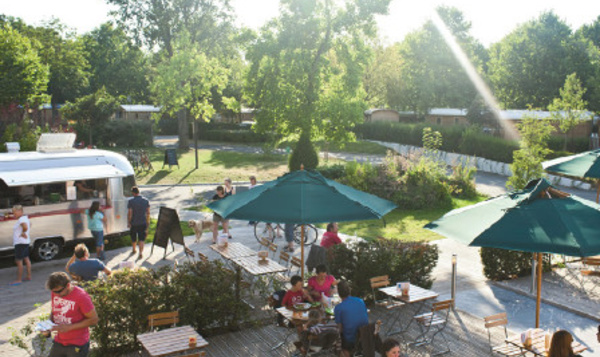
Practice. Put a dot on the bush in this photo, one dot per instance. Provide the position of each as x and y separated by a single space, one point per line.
203 293
168 126
457 139
304 154
502 264
118 133
401 261
332 172
26 136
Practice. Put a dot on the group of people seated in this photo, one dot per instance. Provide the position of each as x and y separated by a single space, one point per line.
349 316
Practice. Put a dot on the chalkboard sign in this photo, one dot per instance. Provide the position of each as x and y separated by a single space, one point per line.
170 158
167 227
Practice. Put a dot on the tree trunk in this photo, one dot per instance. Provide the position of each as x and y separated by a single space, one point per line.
184 140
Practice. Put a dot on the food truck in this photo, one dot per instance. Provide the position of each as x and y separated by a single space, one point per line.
55 185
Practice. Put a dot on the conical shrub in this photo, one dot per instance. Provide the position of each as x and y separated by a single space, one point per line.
304 154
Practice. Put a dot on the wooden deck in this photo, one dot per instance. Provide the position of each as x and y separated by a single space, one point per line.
466 334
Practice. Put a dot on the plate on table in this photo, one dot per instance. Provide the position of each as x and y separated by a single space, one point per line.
315 304
329 311
302 306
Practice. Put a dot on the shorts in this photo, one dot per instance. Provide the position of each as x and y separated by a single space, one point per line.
98 238
347 345
217 218
138 233
59 350
21 251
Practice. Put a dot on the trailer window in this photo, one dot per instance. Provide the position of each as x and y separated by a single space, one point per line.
128 183
50 193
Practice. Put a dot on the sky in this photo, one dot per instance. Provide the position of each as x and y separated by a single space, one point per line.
491 20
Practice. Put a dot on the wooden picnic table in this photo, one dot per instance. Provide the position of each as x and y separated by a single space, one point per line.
233 250
416 294
538 343
171 340
251 265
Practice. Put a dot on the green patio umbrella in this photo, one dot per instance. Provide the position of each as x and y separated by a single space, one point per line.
538 219
302 197
585 165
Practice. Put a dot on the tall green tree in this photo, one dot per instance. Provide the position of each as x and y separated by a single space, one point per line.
530 65
527 161
307 65
570 108
92 110
431 76
64 54
23 76
382 76
591 32
116 64
184 83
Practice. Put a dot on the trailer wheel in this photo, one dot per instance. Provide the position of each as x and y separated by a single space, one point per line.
46 249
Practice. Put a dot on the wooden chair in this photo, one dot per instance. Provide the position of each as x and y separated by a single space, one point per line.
435 321
162 319
273 249
285 257
199 354
295 263
189 254
203 258
265 242
504 349
380 282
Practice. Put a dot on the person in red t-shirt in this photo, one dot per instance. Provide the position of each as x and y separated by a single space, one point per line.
296 294
73 313
330 238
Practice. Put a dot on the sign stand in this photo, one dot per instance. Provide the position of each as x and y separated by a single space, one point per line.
170 158
167 228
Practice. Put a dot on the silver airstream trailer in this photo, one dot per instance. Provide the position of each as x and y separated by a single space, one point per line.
55 185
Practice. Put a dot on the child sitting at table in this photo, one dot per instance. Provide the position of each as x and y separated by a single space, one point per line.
297 294
324 334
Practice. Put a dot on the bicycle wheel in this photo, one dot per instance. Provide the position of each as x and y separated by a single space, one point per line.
263 230
310 234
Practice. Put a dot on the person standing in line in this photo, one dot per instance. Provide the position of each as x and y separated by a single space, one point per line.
217 218
96 222
229 191
21 242
73 313
138 219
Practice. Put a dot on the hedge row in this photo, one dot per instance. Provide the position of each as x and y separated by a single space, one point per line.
120 133
456 139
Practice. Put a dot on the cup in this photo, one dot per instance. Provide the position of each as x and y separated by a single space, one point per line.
547 341
193 341
405 287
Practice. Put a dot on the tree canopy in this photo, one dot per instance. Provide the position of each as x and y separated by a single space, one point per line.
306 67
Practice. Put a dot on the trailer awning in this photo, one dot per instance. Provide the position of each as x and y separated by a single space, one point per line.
59 174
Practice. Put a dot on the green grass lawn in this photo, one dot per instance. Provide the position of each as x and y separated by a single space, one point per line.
405 225
213 166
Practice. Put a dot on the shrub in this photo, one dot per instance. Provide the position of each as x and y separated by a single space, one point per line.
502 264
402 261
168 126
304 154
332 172
203 293
118 133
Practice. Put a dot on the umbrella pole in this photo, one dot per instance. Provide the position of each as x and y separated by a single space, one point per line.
538 301
302 251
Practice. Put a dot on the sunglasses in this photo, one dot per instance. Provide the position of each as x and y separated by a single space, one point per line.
59 291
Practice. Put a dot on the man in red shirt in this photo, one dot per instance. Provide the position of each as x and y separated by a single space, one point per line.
330 238
296 294
73 313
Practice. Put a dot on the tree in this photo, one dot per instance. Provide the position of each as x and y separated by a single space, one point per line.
570 109
92 110
23 77
382 76
116 64
527 161
184 83
431 75
591 32
530 65
306 67
64 54
479 114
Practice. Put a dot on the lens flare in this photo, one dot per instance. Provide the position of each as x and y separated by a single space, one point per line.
475 78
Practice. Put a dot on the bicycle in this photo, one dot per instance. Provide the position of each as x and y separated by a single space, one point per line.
270 231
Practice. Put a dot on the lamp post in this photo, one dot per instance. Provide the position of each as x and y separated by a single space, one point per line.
453 282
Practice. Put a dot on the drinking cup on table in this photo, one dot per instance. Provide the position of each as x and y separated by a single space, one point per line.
405 287
193 341
547 340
